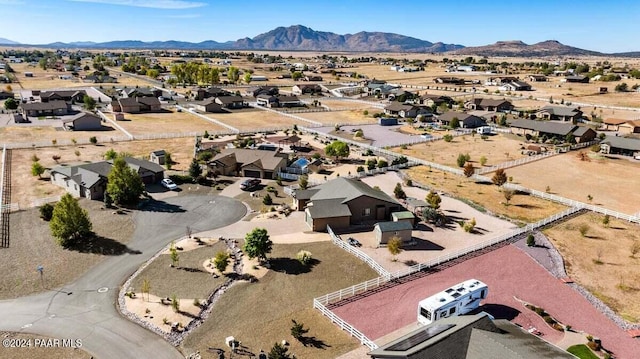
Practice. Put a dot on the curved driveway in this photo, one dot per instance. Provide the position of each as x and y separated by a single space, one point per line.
79 311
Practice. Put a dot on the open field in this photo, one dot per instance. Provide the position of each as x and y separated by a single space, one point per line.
259 314
497 149
25 187
522 207
343 117
612 182
338 104
38 348
602 260
32 245
31 134
167 122
250 119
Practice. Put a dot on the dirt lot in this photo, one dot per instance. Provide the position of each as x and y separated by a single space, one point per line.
607 180
31 134
251 119
259 314
343 117
497 149
32 245
522 207
25 187
39 348
167 122
602 260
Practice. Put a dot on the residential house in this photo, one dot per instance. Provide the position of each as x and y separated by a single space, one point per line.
385 91
51 108
63 95
312 78
141 92
487 104
430 100
306 89
576 79
158 157
267 100
278 101
289 101
616 145
612 124
83 121
230 101
466 120
384 231
449 80
537 78
5 95
99 78
515 86
90 180
468 337
342 202
406 110
136 104
497 81
559 113
551 129
248 163
208 105
629 127
204 93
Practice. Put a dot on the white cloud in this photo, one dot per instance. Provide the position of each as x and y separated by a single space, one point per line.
155 4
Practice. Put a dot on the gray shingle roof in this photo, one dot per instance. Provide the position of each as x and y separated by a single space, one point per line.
347 190
328 208
555 128
394 226
561 110
44 106
631 144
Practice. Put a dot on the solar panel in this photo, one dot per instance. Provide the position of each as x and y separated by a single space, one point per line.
420 337
456 295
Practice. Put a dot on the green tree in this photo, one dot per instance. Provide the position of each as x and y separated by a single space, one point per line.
304 257
508 194
303 181
461 160
93 140
10 104
394 245
433 199
296 75
605 220
89 102
221 261
175 303
483 161
168 161
337 149
499 177
123 183
298 330
173 253
455 123
398 192
46 211
233 74
257 244
214 76
194 169
382 163
110 154
69 222
531 240
146 287
622 87
267 200
247 78
278 351
37 169
447 138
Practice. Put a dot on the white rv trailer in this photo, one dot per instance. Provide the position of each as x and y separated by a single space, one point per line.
459 299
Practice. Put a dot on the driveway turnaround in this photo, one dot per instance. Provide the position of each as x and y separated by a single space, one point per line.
86 309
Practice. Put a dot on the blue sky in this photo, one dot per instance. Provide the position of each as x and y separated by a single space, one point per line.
607 26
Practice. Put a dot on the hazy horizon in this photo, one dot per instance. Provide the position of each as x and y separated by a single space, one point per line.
591 25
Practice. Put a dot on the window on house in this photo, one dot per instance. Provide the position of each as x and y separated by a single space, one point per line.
452 310
75 186
366 212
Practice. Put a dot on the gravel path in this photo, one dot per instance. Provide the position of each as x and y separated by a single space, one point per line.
510 274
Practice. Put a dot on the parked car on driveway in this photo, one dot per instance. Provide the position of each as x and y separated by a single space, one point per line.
354 242
169 184
250 184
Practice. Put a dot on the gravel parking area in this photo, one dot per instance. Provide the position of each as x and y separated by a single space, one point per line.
510 274
381 136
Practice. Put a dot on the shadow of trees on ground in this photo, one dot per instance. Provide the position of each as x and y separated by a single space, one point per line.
314 342
160 206
96 244
291 265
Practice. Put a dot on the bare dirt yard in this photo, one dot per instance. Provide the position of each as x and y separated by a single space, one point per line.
32 245
253 119
342 117
611 182
522 207
496 149
39 134
38 347
167 122
25 187
606 260
259 314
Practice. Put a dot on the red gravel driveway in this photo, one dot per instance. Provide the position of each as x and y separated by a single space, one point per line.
509 273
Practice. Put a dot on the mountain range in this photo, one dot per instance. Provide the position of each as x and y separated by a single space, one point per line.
302 38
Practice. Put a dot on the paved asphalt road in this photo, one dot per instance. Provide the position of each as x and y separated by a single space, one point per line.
79 311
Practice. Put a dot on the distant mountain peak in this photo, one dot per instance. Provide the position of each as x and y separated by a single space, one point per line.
518 48
4 41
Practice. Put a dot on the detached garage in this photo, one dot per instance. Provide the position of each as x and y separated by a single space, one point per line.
384 231
83 121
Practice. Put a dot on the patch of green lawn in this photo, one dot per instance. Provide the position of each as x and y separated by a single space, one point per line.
582 351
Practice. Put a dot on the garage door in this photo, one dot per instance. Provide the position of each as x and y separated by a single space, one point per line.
254 174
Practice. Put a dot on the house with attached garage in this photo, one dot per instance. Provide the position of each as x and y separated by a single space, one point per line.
89 180
248 163
136 104
488 104
63 95
559 113
342 202
466 120
230 101
406 110
306 89
208 105
204 93
616 145
576 79
552 129
51 108
515 86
